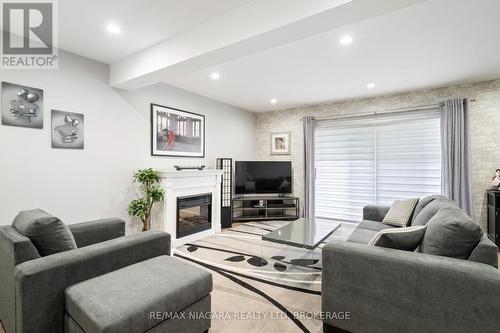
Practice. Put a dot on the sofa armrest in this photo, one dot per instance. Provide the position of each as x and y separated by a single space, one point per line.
88 233
387 290
40 283
375 213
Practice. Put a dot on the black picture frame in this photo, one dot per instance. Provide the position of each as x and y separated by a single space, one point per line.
155 108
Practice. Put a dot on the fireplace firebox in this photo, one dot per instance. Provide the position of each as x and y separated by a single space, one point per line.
194 214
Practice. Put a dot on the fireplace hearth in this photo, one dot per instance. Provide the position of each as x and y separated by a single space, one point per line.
194 214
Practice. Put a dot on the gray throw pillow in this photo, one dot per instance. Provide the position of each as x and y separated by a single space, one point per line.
49 234
424 202
451 233
399 214
407 239
425 215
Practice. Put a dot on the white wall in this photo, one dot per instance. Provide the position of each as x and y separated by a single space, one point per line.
78 185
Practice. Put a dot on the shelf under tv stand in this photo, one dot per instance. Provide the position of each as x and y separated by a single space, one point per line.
248 208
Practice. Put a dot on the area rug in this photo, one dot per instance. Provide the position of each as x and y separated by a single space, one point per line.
260 285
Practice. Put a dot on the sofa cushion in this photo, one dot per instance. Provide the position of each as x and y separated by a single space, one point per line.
121 301
424 202
400 213
49 234
375 212
361 236
21 248
407 239
373 225
451 233
431 209
485 252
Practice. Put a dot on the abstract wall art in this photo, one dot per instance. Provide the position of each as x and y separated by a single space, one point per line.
67 130
22 105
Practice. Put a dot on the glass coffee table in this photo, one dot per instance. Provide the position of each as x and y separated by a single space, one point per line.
298 243
303 233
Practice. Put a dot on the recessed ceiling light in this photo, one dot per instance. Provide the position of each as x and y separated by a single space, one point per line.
346 40
215 76
370 85
113 28
273 101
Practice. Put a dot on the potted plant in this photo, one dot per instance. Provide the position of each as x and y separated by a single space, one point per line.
153 193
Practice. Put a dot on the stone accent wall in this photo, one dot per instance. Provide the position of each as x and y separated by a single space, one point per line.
484 106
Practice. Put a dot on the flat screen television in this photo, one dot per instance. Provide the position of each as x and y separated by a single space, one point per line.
252 177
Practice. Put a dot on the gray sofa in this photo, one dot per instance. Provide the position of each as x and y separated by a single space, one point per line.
388 290
32 287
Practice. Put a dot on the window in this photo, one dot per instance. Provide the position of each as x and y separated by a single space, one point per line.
163 122
196 128
375 160
181 126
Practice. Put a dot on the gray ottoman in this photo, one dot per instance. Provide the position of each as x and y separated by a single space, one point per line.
162 294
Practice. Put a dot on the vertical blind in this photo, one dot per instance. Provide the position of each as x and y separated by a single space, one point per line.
375 160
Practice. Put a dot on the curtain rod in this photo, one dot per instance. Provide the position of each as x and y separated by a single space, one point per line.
376 113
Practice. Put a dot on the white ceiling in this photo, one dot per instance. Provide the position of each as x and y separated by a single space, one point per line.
428 44
436 43
82 23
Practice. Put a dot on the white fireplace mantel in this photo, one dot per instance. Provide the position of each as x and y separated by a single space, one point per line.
186 183
189 173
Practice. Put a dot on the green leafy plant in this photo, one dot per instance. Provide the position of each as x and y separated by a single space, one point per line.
153 193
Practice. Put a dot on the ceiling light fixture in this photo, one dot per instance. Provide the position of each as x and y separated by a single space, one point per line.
113 28
215 76
346 40
273 101
370 85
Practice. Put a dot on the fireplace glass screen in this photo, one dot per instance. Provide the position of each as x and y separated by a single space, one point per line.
194 214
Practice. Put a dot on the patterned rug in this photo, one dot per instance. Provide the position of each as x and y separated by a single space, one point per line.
277 284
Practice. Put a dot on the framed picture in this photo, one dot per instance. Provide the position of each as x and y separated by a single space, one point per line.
176 132
67 130
22 106
280 143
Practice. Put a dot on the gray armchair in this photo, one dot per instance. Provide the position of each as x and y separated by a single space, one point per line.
32 287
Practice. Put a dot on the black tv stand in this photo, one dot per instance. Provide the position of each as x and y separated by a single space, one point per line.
265 208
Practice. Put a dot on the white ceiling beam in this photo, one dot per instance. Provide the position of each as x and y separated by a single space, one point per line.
254 27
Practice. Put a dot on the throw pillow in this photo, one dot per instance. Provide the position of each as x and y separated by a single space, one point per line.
49 234
451 233
423 202
400 212
407 239
431 209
